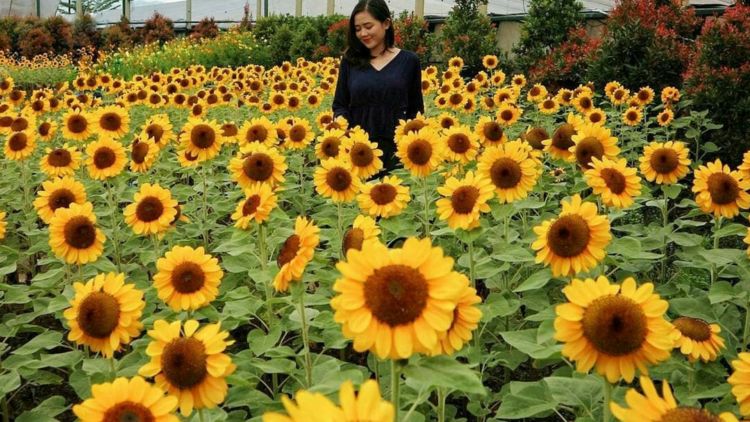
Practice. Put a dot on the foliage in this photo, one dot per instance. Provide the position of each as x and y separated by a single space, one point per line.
85 34
119 35
336 39
566 65
206 28
61 32
467 34
280 42
36 41
412 34
157 28
305 41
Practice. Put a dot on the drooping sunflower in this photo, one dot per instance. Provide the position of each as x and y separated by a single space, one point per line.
153 210
186 158
670 95
63 161
649 407
510 168
112 122
299 135
296 252
127 400
698 339
187 278
77 125
615 328
719 190
384 199
159 129
508 113
202 138
575 241
534 136
73 235
46 130
362 155
592 141
364 229
328 144
258 163
335 179
190 364
614 181
395 302
489 131
466 318
461 144
632 116
665 117
105 313
665 162
256 207
464 200
58 193
105 158
559 144
143 153
20 145
421 153
406 127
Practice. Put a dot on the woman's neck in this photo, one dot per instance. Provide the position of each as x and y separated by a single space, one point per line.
378 50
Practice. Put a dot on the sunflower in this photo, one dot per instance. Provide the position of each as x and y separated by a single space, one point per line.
489 61
189 363
106 158
260 130
649 407
259 201
698 339
258 163
620 95
421 153
505 95
111 121
632 116
159 129
384 199
296 252
537 93
596 116
46 130
740 382
415 125
719 190
202 138
153 210
73 235
561 141
187 278
460 144
3 224
616 328
508 113
105 313
511 170
186 158
518 81
610 87
362 155
335 179
77 125
466 318
395 302
456 62
127 400
464 200
58 193
665 117
548 106
143 153
534 137
20 145
364 229
328 145
575 240
614 181
592 141
365 406
645 96
670 95
489 131
446 121
63 161
665 162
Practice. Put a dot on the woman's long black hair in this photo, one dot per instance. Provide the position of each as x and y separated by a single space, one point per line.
356 53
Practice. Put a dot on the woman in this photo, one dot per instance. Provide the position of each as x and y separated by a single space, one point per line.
378 83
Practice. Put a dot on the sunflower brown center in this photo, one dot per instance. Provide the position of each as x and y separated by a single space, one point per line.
456 98
104 158
330 146
383 193
188 277
44 128
723 188
128 412
664 160
353 239
492 131
77 124
535 137
396 294
414 126
595 117
297 133
459 143
614 180
534 91
79 232
693 328
339 179
61 198
288 250
258 166
361 154
568 236
585 103
587 149
464 198
229 129
506 115
250 205
19 124
256 133
419 152
155 131
149 209
110 121
139 152
643 95
184 362
562 138
98 314
631 116
18 141
505 173
447 123
202 136
688 414
615 325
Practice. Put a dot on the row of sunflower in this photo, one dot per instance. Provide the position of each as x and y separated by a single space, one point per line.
395 295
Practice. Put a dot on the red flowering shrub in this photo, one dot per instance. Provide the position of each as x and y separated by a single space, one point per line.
411 34
156 29
336 38
206 28
36 41
566 65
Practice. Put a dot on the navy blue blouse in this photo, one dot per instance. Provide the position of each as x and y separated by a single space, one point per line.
376 99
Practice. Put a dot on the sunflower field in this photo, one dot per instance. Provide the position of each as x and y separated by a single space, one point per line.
212 244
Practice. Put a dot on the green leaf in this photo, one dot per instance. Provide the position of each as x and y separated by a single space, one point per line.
260 342
722 257
721 292
697 308
46 411
444 371
47 340
274 366
686 239
575 391
526 341
733 229
535 281
514 254
499 305
526 400
9 381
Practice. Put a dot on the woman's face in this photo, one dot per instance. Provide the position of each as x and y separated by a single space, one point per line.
370 31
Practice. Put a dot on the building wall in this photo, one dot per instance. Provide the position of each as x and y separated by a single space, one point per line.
27 7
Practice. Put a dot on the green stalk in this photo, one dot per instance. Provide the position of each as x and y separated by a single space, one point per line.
205 207
606 412
112 202
746 330
717 226
112 367
395 382
305 340
263 257
664 222
441 393
426 207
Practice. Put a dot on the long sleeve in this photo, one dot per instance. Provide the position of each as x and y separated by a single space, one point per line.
416 102
341 98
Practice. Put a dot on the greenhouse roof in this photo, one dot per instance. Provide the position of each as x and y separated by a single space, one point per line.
232 10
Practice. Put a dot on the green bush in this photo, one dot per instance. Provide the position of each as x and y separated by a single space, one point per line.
280 42
412 34
85 34
305 41
467 34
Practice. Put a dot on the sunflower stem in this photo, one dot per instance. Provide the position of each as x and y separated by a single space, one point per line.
717 226
426 208
305 340
205 207
263 257
441 393
112 367
340 228
5 409
112 202
471 263
746 330
395 382
606 412
664 223
201 417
